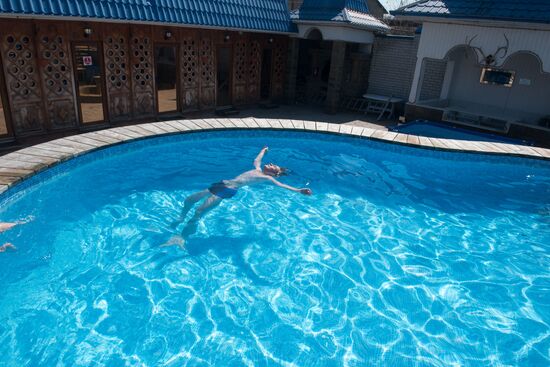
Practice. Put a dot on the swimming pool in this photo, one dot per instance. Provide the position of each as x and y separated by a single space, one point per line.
439 130
395 260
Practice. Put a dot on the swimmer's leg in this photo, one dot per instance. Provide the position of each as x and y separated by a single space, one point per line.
209 204
189 203
7 226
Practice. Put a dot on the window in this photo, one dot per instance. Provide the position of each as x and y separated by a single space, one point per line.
497 77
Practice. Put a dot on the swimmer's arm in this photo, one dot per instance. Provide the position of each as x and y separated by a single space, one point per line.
280 184
258 160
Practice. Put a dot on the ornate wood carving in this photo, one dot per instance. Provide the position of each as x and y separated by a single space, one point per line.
254 70
207 77
190 72
22 77
240 71
117 74
279 66
142 72
57 76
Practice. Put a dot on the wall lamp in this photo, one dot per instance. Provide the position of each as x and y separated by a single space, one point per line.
270 40
226 38
167 35
88 31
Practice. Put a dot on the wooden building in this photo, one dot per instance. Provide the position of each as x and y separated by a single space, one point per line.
71 68
79 65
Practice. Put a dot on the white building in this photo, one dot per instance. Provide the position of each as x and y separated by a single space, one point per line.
486 66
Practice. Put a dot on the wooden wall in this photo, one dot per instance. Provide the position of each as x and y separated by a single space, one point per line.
39 76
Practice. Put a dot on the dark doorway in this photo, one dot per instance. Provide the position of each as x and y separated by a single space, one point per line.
89 80
265 86
166 77
223 80
313 73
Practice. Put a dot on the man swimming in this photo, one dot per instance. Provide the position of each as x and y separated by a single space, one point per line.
226 189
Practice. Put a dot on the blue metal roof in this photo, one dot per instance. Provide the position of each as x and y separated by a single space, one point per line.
264 15
531 11
352 12
330 9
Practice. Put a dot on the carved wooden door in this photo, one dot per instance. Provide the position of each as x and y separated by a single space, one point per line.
207 77
116 49
57 75
22 78
143 81
254 69
240 71
279 66
190 75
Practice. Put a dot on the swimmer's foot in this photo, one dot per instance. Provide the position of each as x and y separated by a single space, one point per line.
175 241
7 246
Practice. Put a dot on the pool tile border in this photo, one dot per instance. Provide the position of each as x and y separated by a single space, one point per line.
24 163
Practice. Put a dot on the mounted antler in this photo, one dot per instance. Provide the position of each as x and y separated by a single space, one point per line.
492 58
477 49
505 48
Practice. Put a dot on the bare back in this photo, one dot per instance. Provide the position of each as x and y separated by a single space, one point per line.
247 178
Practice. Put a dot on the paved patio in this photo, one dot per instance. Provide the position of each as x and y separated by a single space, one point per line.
297 112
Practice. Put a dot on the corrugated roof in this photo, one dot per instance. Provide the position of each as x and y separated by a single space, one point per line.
531 11
329 9
353 12
264 15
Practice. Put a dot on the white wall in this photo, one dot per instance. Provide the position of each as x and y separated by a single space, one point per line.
531 100
438 39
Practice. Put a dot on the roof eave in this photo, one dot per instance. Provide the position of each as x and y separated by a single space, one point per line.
431 17
291 31
361 27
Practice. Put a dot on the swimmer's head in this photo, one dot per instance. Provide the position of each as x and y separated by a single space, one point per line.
274 170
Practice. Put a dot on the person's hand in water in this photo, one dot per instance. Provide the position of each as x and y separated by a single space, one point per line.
6 246
307 192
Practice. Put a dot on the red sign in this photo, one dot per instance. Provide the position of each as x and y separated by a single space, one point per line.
87 60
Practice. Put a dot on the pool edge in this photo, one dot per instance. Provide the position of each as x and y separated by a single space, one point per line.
27 162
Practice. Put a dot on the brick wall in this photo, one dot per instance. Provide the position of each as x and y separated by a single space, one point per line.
432 81
392 66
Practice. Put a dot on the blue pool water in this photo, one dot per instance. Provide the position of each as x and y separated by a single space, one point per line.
402 257
438 130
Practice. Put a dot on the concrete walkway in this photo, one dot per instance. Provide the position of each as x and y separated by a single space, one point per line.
296 112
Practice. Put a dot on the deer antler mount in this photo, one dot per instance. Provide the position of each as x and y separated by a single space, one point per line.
491 58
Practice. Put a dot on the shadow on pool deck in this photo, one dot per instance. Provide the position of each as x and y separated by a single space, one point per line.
297 112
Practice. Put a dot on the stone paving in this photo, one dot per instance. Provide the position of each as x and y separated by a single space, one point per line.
24 163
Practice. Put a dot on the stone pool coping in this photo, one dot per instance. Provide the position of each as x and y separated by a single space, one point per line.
24 163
